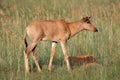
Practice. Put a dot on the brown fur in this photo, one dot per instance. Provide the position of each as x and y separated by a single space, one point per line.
55 31
82 59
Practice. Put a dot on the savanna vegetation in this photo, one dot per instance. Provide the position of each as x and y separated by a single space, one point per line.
104 45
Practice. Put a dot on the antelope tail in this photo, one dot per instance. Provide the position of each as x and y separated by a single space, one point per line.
25 41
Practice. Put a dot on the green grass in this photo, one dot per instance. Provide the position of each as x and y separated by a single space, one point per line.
15 15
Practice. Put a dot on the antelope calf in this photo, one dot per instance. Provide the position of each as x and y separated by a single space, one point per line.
82 59
55 31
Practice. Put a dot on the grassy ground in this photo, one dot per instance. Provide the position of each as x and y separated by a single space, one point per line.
15 15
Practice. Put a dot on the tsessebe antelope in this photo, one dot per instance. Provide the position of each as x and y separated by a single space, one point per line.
55 31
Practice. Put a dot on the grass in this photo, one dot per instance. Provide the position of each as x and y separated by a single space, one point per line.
15 15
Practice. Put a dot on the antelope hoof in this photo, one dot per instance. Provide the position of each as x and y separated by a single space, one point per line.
69 70
49 69
39 71
28 72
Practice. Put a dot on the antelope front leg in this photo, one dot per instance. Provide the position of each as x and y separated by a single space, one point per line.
63 45
52 55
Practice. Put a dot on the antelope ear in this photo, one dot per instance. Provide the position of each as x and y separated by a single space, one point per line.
89 17
86 19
